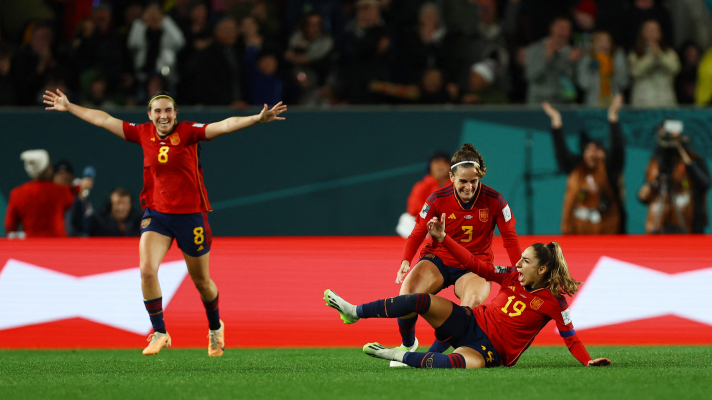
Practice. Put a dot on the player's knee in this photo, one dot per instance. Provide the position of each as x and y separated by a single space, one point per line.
201 283
149 275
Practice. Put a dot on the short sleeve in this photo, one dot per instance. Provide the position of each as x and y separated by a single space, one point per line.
131 132
197 132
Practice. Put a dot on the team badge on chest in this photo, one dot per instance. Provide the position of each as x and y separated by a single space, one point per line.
484 214
175 139
536 303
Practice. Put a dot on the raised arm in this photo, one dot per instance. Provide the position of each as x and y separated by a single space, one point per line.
436 228
58 101
233 124
566 160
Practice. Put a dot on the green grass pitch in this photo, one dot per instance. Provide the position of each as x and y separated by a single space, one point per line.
671 373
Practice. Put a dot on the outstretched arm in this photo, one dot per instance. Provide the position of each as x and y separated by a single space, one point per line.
233 124
58 101
564 157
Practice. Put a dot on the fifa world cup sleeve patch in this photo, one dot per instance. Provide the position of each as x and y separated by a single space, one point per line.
566 315
500 270
424 211
197 125
507 213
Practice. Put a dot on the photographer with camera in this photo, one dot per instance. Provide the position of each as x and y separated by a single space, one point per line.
676 184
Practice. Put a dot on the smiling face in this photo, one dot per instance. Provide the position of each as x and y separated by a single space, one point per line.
530 272
163 114
465 180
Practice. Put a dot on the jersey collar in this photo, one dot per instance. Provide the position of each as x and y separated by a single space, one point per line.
529 289
470 204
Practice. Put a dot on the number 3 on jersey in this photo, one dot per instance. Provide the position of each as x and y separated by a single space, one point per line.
467 231
163 154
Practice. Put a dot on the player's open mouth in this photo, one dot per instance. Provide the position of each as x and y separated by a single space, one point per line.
520 277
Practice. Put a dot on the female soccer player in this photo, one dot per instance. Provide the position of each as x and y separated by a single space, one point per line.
174 199
473 209
531 294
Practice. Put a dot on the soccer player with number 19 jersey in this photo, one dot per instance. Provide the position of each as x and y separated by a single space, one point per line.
174 199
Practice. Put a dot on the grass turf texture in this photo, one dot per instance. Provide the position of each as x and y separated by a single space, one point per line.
542 373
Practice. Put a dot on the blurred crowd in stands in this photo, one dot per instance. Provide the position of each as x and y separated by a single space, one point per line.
109 53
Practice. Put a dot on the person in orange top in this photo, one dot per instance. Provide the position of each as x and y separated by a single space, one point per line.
39 205
437 178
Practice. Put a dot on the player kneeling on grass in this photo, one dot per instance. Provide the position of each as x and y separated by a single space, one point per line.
531 294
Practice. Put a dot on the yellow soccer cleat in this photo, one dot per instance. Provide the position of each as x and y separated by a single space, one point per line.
216 346
158 341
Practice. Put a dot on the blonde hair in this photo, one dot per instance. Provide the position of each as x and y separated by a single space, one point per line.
560 281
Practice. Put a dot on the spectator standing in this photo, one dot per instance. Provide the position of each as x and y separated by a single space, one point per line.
593 202
686 81
676 184
703 88
637 15
198 33
8 91
219 79
653 65
309 53
482 87
367 53
34 64
550 66
39 205
602 71
154 41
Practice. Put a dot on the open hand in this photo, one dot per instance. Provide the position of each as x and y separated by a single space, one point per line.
599 362
436 228
56 101
271 115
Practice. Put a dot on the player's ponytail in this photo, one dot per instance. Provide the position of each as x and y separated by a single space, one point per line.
551 256
465 154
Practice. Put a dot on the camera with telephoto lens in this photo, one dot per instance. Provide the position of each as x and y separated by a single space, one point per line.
670 133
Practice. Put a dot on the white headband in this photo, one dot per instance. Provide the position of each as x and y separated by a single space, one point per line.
477 165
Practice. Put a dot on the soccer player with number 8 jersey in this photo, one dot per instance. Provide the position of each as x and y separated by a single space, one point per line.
174 199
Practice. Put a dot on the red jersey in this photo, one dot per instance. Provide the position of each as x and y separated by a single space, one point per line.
420 193
517 314
172 172
39 206
470 224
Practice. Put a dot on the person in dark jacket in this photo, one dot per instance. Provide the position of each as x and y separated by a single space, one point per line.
593 203
116 218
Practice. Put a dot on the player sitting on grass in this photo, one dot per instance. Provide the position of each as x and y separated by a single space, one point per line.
531 294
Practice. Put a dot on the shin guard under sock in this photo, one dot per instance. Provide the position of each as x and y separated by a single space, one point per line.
213 313
155 312
395 306
434 360
406 327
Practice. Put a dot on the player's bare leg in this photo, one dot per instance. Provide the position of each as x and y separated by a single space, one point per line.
473 359
199 271
152 248
472 290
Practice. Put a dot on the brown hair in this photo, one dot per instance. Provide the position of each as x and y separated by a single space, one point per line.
468 152
551 256
640 42
162 95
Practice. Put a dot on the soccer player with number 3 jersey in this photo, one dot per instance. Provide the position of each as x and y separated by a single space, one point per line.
472 210
174 199
531 295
